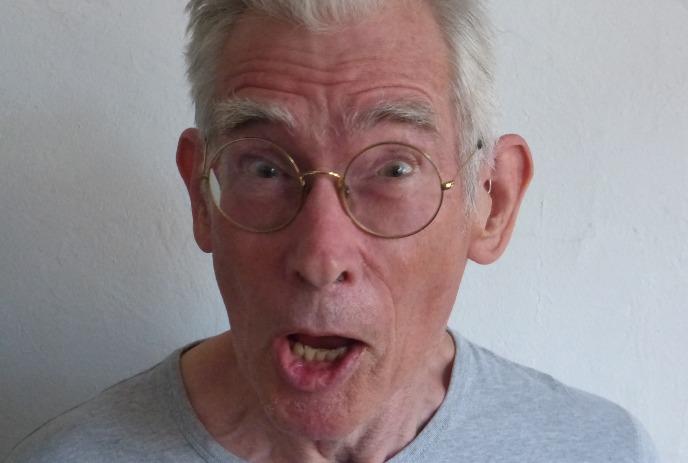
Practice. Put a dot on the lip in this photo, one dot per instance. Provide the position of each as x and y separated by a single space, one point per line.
306 376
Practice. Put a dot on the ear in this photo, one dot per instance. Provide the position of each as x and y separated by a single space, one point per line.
499 198
190 151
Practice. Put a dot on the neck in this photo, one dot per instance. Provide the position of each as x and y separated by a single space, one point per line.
213 383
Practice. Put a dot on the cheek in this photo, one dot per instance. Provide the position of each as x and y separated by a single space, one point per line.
244 270
428 277
240 256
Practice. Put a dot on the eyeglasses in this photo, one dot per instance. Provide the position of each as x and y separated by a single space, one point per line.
390 190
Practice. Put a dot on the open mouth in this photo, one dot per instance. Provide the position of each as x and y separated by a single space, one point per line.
319 348
310 363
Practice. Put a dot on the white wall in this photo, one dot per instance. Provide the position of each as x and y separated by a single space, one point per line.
100 276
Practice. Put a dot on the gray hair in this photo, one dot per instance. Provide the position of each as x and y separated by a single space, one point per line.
464 24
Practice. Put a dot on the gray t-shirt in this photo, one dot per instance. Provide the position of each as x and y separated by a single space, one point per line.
494 411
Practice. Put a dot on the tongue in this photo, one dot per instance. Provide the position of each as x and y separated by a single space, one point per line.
322 342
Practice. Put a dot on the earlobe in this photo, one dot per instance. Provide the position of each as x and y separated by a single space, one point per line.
500 198
201 226
190 165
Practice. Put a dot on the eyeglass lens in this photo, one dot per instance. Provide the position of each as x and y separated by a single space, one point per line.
389 189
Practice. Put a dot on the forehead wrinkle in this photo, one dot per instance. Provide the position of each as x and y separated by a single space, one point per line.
235 112
309 71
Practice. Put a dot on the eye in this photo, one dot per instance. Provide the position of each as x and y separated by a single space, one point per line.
396 169
263 169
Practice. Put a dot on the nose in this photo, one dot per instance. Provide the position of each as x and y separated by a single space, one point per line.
325 239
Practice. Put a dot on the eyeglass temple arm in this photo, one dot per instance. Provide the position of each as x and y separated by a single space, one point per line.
450 184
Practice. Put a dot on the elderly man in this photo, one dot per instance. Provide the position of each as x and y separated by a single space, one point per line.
342 173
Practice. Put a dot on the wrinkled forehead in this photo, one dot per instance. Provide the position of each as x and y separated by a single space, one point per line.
408 36
394 58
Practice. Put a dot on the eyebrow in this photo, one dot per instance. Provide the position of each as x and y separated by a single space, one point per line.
233 113
412 112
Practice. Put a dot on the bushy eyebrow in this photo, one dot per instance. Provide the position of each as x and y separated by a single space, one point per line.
234 113
412 112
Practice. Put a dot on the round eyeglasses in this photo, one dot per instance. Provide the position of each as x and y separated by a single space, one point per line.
390 190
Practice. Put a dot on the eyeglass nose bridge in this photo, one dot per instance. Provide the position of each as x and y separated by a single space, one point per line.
338 177
342 189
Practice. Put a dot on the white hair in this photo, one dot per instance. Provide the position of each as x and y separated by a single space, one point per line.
466 31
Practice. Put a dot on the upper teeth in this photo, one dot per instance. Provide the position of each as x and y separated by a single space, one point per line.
310 354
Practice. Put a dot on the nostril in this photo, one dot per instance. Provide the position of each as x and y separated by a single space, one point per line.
323 281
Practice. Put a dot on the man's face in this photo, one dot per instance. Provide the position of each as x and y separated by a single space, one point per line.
322 281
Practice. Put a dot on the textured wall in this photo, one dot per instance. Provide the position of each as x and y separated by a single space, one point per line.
100 277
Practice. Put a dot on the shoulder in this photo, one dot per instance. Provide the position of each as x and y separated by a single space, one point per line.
123 423
533 414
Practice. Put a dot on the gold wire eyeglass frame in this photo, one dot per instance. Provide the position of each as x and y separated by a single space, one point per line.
339 181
